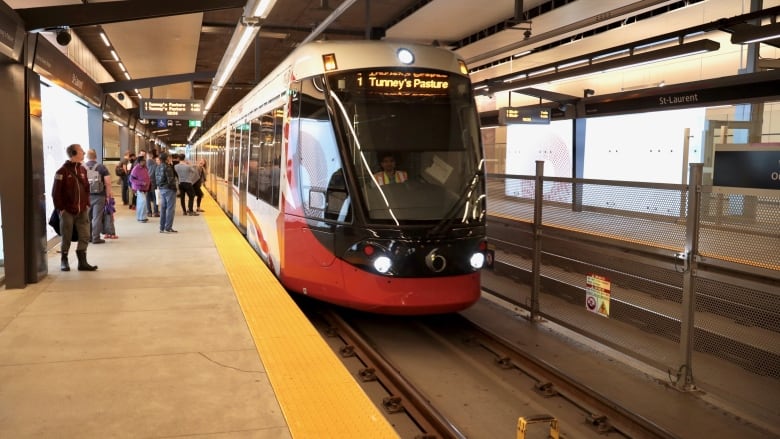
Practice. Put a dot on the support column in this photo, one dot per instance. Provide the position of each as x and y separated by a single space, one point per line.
95 128
13 125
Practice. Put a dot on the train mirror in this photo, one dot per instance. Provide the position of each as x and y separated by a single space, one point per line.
317 199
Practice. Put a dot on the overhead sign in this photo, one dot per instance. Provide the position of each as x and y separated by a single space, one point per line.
517 115
181 109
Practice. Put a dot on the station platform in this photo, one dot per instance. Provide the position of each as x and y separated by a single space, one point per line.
176 335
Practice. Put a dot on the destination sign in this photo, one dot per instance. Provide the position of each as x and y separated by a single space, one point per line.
180 109
516 115
402 82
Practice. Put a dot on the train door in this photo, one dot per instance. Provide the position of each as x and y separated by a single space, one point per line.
242 133
220 169
231 178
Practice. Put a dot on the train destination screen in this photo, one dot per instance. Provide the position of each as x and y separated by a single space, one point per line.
391 82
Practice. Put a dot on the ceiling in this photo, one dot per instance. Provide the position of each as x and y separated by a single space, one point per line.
158 38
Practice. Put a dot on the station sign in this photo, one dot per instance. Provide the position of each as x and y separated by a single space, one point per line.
180 109
518 115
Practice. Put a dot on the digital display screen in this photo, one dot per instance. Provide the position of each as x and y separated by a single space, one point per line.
389 82
181 109
514 115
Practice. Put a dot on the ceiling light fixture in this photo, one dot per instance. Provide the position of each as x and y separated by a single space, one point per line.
755 34
556 72
105 39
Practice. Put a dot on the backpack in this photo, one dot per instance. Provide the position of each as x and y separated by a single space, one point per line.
95 179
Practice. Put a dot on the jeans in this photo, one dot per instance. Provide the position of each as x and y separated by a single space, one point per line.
167 208
151 202
140 206
97 204
125 186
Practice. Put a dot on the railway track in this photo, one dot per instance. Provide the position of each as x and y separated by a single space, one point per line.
445 377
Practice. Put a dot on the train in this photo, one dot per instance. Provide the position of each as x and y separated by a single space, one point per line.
296 163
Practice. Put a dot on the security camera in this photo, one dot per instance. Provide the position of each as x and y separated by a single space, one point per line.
527 34
63 37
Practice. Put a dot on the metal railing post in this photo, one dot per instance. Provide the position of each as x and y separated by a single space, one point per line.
687 316
536 284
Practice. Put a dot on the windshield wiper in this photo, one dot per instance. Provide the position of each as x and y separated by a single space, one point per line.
446 223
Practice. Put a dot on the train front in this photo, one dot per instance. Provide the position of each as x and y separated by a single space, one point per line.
404 203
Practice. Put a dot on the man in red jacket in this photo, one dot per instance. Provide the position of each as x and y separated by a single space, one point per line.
71 199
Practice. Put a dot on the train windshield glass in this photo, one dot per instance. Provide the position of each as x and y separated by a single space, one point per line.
413 143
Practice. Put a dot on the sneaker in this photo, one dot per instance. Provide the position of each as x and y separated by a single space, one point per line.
193 213
98 241
171 231
145 220
200 210
156 215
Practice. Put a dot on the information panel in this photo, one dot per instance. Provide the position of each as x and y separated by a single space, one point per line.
516 115
181 109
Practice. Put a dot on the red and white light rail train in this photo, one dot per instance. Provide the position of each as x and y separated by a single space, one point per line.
294 163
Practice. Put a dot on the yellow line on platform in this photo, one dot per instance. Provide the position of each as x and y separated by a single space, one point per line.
318 396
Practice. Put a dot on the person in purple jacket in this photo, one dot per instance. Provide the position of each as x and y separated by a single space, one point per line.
140 182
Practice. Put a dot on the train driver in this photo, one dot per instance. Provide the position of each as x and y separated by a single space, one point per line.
389 174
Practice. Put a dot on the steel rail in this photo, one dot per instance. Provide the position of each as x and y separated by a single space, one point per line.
430 420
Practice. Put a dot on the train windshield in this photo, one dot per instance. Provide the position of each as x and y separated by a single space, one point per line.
413 143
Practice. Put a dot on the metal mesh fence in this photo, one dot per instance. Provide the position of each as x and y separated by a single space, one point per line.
739 228
634 235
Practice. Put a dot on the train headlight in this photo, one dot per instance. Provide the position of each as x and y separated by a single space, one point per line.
382 264
477 260
405 56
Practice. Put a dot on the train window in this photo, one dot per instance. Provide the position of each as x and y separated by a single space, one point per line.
265 156
324 192
428 121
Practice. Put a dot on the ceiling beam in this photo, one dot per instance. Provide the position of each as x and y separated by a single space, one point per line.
157 81
114 12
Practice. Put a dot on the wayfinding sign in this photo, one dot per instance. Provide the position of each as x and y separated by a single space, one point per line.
181 109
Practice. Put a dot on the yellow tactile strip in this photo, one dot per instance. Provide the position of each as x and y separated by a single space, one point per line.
318 396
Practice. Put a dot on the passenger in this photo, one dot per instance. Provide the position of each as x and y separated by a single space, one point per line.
188 175
166 182
152 206
122 171
389 174
70 194
129 170
198 186
97 199
108 219
139 180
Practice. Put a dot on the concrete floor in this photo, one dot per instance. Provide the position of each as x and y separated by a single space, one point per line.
153 344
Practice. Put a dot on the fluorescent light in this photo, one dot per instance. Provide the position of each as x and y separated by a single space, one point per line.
755 34
113 54
122 66
524 53
105 39
211 100
235 56
647 57
263 8
127 75
118 123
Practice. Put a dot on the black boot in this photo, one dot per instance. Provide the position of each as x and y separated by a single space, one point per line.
83 265
64 266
